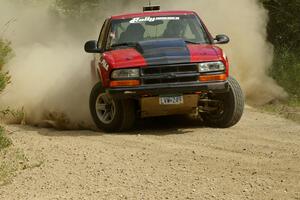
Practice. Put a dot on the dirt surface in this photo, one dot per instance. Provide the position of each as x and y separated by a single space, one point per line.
164 159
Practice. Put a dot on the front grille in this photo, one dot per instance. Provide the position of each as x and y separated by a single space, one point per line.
179 73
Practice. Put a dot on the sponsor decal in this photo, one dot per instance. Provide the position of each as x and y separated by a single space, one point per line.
104 64
151 19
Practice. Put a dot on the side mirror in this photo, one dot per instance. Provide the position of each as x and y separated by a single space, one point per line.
221 39
91 47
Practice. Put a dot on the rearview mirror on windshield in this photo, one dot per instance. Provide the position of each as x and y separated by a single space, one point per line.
91 47
221 39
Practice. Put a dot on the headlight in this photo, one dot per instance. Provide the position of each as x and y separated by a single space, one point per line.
211 67
125 73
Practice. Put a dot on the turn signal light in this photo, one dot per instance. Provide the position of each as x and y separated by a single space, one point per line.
124 83
218 77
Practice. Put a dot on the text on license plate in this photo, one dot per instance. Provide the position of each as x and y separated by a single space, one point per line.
171 100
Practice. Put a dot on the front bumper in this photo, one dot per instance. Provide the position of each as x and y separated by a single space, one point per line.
171 88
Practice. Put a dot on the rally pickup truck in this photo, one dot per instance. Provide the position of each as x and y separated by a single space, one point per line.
161 63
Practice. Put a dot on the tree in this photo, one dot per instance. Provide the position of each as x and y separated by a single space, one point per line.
284 23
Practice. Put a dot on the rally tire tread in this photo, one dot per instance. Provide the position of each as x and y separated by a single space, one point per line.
129 117
234 103
124 117
238 100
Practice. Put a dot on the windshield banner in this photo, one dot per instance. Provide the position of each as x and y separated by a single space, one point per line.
151 19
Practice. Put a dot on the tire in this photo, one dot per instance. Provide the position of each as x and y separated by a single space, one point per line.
109 114
231 110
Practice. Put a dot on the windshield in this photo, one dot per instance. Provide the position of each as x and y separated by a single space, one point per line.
128 31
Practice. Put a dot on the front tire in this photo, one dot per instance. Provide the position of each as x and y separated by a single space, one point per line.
230 109
110 114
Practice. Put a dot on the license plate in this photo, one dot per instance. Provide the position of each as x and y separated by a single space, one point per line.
171 100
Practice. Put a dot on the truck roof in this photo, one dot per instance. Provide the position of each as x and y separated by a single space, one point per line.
146 14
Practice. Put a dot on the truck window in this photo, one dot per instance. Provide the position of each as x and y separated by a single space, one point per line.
102 34
187 27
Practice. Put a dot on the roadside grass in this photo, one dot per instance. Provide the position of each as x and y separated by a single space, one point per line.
4 141
11 116
4 80
286 71
289 109
6 53
13 159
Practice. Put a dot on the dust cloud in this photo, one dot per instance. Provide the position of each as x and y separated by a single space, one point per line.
51 77
50 74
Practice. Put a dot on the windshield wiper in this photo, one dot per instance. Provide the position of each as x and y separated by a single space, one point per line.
129 44
191 42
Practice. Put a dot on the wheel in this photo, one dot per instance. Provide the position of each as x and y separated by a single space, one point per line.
111 114
229 109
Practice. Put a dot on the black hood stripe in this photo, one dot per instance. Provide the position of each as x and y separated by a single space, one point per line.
164 51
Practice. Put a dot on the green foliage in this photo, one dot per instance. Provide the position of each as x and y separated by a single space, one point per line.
4 80
284 26
286 70
284 33
4 141
76 7
5 52
85 9
5 55
13 160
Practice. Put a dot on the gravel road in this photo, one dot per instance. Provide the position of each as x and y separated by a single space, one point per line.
163 159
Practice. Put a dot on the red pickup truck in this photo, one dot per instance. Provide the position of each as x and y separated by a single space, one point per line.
158 63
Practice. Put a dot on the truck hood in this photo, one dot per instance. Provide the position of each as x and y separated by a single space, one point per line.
161 52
